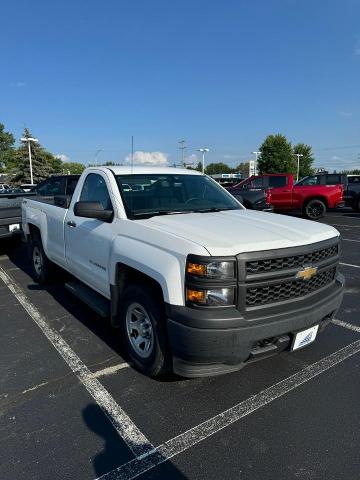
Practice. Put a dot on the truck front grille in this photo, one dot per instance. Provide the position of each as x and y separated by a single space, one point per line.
262 295
270 277
293 261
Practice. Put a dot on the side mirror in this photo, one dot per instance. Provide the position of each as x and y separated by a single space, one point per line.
93 210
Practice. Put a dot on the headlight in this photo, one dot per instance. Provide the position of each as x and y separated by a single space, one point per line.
215 297
217 270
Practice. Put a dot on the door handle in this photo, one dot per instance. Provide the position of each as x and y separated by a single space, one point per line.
286 191
71 224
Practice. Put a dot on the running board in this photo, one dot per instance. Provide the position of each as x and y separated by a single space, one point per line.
92 299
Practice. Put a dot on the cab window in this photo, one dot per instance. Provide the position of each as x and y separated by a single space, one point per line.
278 181
333 179
50 187
95 190
71 185
354 179
256 182
313 180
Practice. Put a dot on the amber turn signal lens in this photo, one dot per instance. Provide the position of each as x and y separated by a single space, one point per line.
195 296
196 269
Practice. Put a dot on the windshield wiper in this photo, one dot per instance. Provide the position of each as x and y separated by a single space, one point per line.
161 212
214 209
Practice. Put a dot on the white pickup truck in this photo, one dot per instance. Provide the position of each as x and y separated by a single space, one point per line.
194 282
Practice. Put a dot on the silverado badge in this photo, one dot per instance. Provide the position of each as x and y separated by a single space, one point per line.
307 273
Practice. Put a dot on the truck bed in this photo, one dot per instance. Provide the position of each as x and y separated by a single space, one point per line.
10 212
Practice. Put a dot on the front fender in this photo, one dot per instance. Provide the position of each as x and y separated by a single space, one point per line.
165 267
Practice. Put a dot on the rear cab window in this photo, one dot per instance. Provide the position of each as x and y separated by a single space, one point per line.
278 181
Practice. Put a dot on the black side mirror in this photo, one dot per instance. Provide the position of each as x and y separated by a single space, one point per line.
93 210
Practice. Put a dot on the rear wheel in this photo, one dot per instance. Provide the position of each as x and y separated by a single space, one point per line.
42 267
314 209
143 330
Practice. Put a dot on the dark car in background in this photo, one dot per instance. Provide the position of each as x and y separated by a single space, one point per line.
60 187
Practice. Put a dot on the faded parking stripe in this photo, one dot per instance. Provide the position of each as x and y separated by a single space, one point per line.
128 431
191 437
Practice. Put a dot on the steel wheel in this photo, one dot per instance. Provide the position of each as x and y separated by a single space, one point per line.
37 260
139 330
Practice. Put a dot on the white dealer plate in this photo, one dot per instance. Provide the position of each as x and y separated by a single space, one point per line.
13 227
305 337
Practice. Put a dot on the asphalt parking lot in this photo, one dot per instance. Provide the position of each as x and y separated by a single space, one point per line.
71 407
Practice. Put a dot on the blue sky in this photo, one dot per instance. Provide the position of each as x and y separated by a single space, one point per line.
86 75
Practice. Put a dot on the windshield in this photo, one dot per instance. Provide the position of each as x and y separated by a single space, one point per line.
161 194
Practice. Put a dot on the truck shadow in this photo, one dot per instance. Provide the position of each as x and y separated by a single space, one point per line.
115 452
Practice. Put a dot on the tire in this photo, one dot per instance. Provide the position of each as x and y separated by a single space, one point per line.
142 329
42 267
314 209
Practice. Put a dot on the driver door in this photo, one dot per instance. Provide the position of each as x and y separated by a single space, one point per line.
88 240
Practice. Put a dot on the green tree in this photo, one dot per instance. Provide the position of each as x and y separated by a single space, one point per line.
43 162
242 168
7 151
214 168
306 161
276 155
72 167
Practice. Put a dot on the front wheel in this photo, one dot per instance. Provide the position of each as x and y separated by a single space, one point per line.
143 330
314 209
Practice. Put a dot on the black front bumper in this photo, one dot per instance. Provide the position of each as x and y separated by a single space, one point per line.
220 341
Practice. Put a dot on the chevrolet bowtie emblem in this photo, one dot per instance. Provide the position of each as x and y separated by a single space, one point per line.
307 273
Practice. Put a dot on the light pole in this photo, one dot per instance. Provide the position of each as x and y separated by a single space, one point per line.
257 154
96 155
298 155
29 140
203 151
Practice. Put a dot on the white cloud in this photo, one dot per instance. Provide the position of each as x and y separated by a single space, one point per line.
20 84
148 158
335 157
345 113
62 157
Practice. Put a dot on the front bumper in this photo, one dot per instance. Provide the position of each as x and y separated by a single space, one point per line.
220 341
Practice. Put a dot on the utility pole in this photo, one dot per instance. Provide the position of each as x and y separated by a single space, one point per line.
257 154
203 151
182 148
298 155
29 140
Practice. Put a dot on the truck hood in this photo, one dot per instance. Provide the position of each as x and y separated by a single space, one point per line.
238 231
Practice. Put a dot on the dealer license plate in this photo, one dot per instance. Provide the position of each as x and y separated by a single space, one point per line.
305 337
13 227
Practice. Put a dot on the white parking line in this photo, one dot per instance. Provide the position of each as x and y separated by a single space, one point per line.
128 431
349 240
110 370
349 265
347 325
191 437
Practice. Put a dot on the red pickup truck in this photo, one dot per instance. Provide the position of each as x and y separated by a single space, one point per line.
284 194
